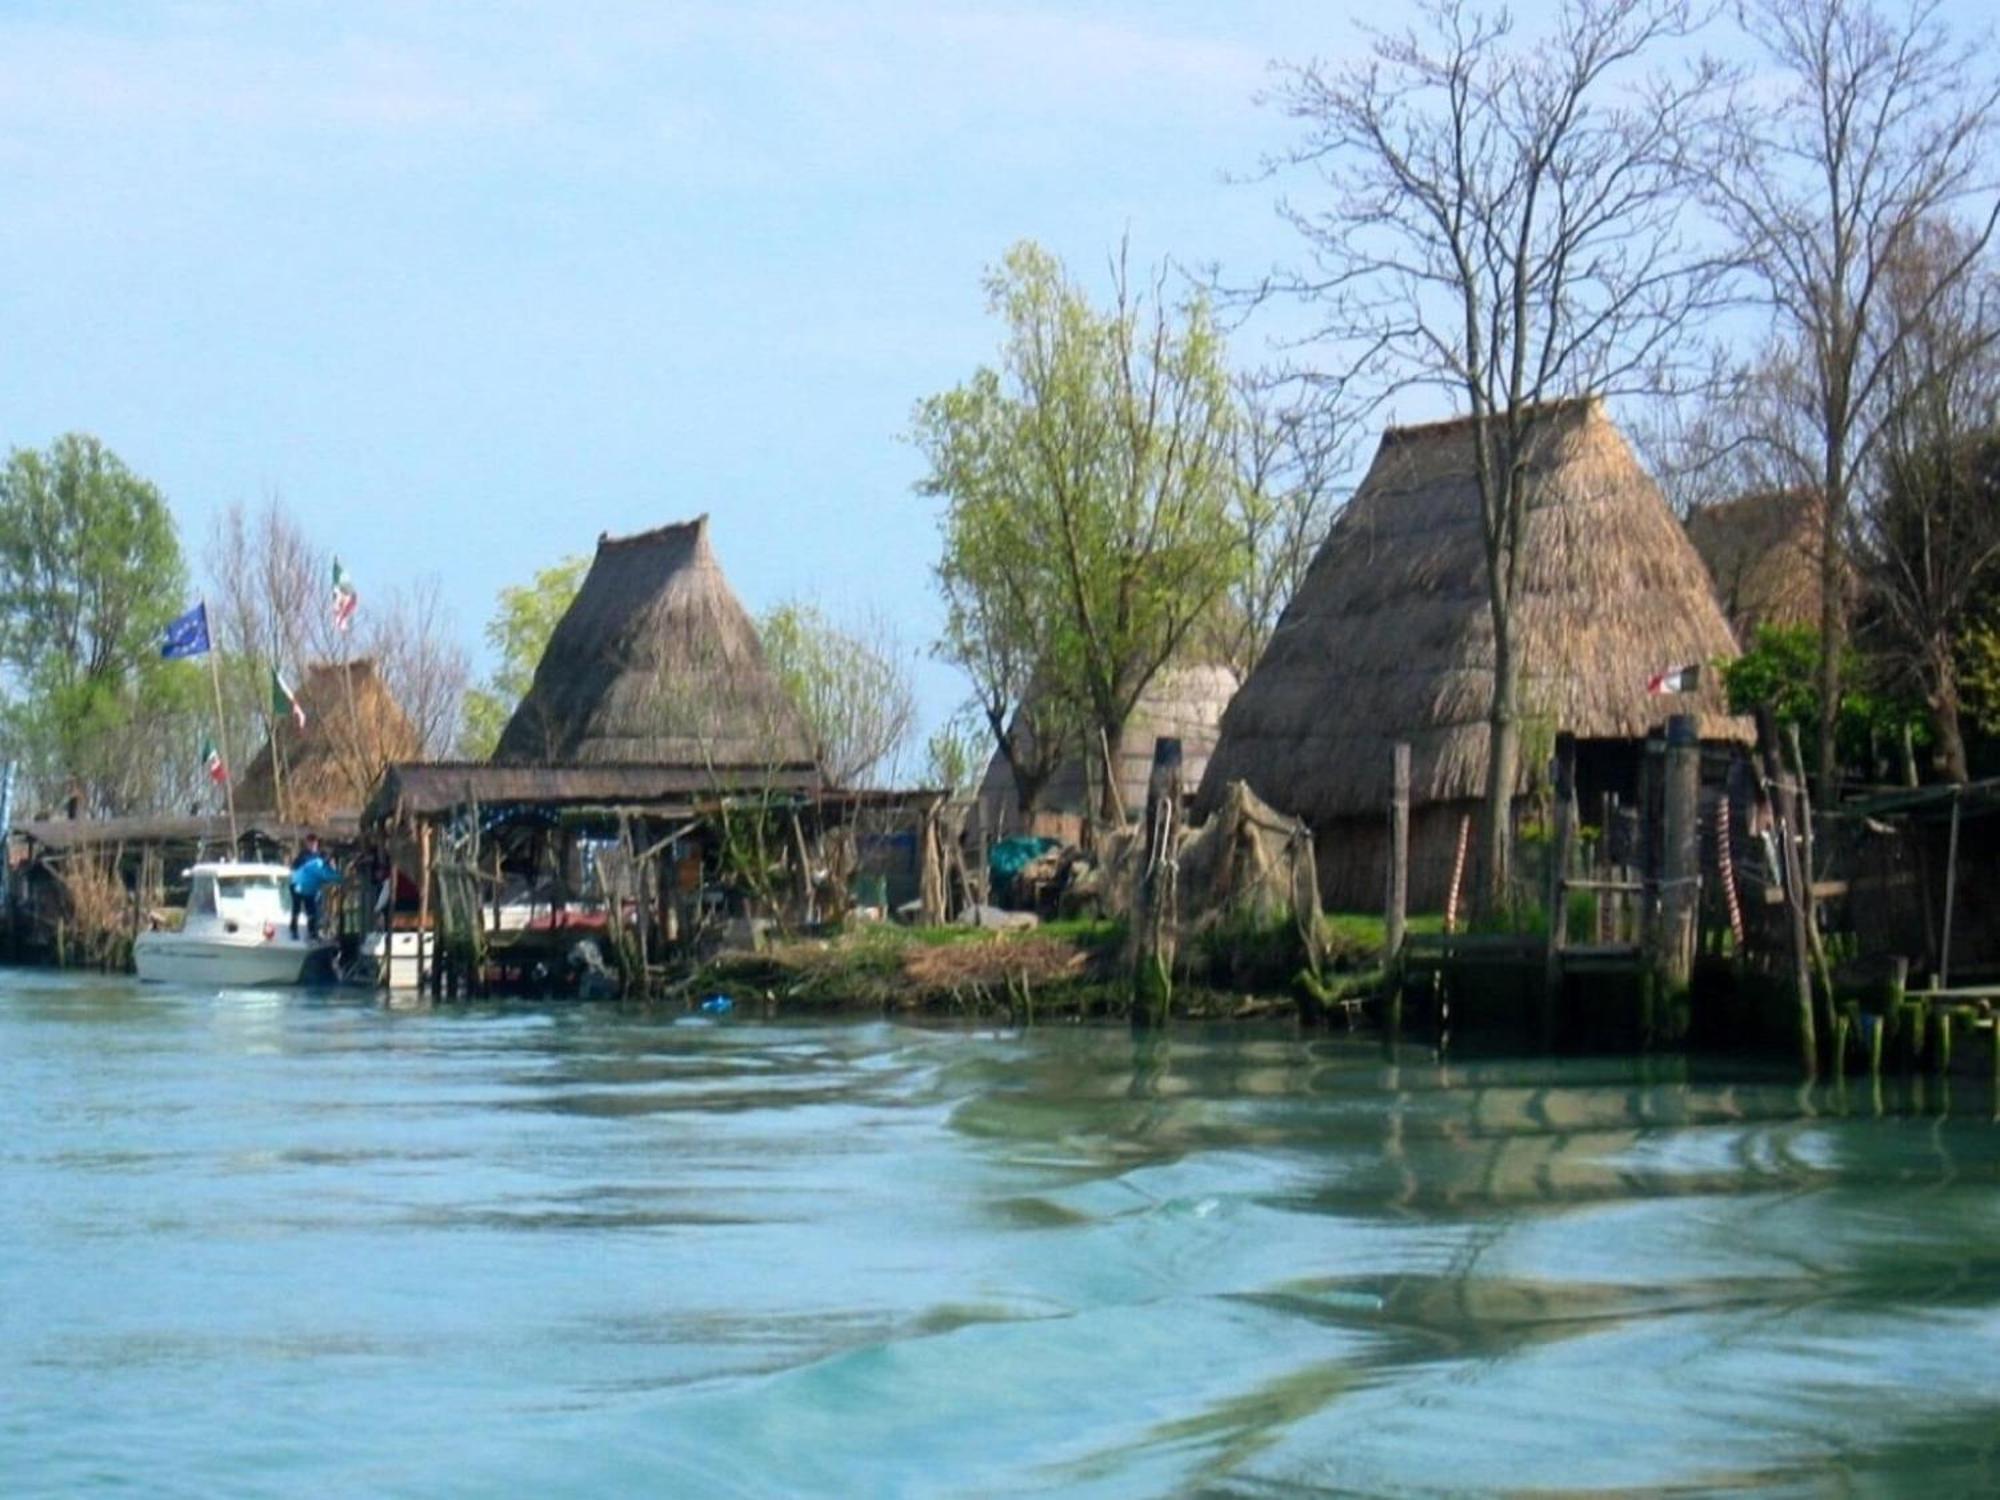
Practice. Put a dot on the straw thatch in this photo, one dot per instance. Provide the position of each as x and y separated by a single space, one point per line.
1389 637
1184 702
655 663
433 789
354 728
1763 551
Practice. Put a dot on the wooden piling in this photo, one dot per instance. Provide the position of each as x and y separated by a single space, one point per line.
1950 891
1562 842
1457 873
1396 917
1680 864
1796 895
1155 908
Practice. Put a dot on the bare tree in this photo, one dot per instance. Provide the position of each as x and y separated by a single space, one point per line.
1504 220
413 640
271 606
851 686
1928 530
1290 448
1880 129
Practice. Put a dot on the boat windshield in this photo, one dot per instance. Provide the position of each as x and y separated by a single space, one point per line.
255 890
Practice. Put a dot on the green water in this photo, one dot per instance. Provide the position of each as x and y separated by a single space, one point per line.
305 1245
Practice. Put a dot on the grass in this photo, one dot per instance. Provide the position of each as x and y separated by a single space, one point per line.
1359 934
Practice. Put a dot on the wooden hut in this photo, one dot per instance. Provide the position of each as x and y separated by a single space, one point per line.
1763 552
655 663
1184 702
1389 638
354 729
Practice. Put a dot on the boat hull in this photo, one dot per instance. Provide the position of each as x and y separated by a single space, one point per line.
204 963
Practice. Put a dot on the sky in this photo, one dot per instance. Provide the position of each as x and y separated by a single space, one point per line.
468 284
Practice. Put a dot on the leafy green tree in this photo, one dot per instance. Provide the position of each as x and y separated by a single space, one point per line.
1781 671
852 689
524 618
1088 484
90 573
953 758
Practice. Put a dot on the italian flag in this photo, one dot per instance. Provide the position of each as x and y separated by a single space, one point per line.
344 597
211 761
284 701
1678 680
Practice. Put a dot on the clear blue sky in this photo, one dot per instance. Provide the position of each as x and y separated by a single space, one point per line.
470 283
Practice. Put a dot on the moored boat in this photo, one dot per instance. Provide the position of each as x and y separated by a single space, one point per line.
237 932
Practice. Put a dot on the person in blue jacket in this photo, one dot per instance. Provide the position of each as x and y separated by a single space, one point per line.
312 872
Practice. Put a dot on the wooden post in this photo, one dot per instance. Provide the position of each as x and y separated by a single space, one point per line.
1562 847
1395 919
425 949
1680 865
387 914
1457 872
1950 890
1725 858
1153 916
1796 896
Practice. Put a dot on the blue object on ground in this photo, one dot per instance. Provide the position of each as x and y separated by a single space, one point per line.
717 1005
1010 856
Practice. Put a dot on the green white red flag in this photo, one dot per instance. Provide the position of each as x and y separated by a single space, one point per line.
284 701
344 597
211 761
1678 680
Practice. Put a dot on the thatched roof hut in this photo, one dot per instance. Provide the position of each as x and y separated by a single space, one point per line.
1389 638
1185 702
655 663
354 728
1763 551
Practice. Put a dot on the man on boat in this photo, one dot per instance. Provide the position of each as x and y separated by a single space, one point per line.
312 872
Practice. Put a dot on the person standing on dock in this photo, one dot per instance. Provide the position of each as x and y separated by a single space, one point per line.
312 872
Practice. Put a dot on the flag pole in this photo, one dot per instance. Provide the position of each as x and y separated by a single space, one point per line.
221 735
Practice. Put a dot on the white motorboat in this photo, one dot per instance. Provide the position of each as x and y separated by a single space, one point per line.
237 932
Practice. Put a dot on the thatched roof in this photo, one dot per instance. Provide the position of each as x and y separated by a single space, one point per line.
1763 551
353 729
1184 702
432 789
655 663
1389 637
64 835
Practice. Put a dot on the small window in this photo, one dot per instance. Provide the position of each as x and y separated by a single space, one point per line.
201 899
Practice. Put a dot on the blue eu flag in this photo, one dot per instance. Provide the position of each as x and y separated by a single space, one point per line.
188 635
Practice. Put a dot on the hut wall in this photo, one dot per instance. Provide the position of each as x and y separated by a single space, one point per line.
1353 857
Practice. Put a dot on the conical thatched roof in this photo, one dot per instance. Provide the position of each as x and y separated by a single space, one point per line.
655 663
1389 637
1184 702
1763 551
353 729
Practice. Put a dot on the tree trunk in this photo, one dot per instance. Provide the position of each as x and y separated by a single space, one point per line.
1113 811
1502 768
1832 636
1944 717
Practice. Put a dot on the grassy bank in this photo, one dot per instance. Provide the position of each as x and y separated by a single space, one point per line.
1068 970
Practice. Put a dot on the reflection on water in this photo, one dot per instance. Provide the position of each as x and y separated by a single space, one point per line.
284 1244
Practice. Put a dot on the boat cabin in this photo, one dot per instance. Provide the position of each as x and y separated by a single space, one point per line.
238 898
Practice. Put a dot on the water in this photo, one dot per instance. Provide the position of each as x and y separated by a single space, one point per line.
302 1245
